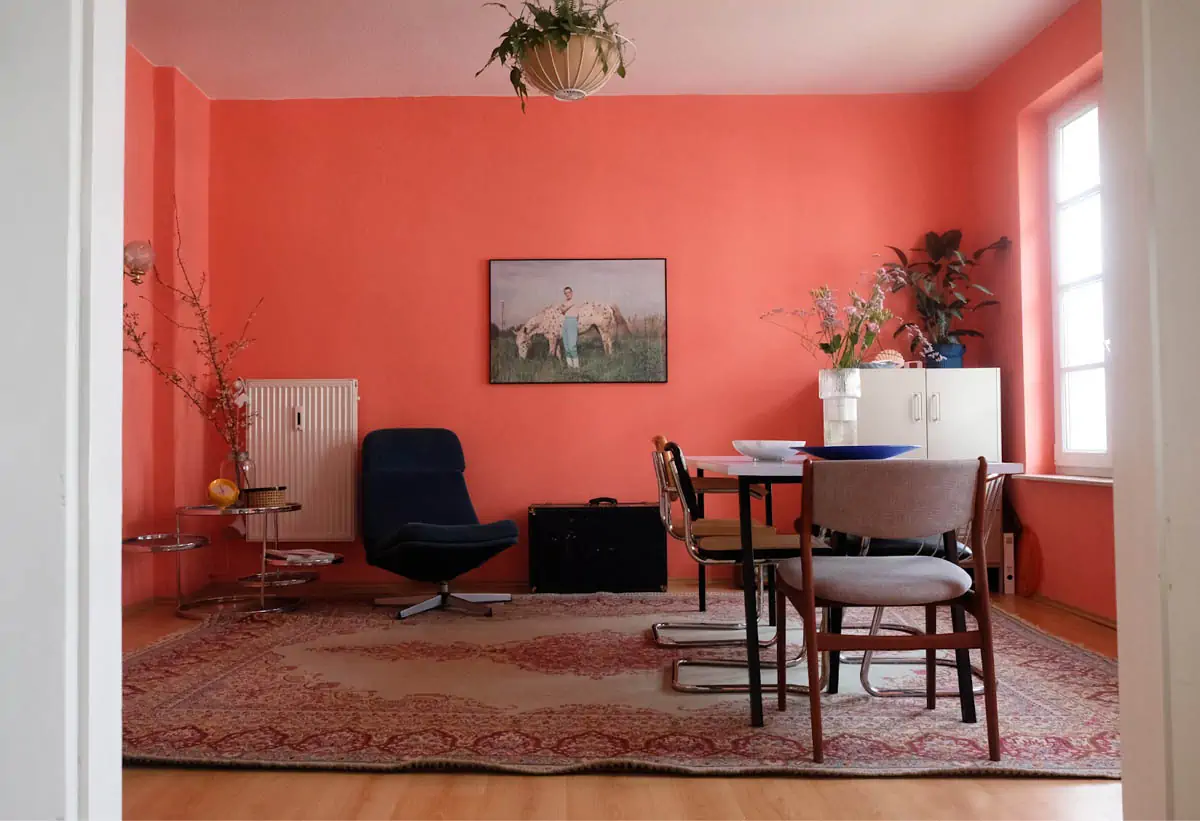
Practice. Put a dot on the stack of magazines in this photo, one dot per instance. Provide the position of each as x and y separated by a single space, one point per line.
301 556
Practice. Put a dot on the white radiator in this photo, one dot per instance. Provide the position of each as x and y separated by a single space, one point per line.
304 434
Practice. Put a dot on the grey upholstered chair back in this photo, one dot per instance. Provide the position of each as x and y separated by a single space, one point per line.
895 499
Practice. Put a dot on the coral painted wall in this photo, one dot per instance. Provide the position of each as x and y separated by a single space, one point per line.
166 458
1072 525
367 225
138 464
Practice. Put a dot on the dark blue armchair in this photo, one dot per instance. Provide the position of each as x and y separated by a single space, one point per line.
418 520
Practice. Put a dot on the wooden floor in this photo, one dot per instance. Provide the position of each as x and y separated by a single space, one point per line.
167 793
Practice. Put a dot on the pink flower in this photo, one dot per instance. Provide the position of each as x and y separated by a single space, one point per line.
873 327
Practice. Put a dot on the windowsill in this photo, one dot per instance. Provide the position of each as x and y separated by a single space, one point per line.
1062 478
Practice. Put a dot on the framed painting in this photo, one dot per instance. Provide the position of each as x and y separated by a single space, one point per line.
578 320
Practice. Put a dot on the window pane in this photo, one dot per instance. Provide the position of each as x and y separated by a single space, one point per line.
1079 155
1078 241
1081 324
1084 410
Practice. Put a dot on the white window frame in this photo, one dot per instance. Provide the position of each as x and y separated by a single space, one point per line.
1074 462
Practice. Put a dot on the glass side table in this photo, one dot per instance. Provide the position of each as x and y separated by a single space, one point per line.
176 543
264 579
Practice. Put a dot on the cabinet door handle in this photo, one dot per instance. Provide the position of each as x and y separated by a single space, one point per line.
916 407
935 407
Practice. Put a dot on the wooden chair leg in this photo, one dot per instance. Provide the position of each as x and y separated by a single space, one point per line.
835 666
812 657
771 582
990 708
781 645
962 660
931 659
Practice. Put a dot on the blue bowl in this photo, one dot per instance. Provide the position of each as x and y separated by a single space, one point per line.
839 453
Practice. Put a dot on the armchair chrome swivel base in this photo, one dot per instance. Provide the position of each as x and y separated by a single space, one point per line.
473 603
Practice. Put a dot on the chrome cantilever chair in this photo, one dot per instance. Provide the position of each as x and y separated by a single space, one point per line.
703 486
668 496
893 499
709 542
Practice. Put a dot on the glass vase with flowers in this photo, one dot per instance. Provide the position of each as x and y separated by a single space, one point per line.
846 334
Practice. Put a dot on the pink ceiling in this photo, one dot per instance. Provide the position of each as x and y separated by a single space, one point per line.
255 49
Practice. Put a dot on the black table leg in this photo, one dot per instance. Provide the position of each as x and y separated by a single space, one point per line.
702 572
835 656
962 661
769 505
748 592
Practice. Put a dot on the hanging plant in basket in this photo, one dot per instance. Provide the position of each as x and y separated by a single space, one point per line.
567 49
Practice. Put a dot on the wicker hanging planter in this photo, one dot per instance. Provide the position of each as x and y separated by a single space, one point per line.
567 49
582 68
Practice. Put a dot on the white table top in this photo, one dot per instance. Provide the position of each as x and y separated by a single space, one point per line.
745 466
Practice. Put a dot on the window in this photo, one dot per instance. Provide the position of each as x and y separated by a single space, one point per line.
1081 343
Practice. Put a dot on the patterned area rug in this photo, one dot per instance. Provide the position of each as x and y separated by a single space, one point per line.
556 684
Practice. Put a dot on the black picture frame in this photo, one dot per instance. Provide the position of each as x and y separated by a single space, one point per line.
647 335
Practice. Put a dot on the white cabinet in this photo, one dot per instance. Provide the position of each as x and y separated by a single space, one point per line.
951 413
892 409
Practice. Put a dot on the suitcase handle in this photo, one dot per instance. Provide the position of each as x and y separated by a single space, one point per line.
602 500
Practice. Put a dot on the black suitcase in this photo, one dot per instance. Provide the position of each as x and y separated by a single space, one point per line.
599 546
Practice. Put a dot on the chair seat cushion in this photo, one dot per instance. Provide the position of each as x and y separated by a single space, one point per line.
723 527
772 547
477 535
929 546
888 581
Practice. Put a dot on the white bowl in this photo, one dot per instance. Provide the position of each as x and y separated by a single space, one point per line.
767 450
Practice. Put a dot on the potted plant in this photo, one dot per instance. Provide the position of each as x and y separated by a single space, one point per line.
941 284
565 48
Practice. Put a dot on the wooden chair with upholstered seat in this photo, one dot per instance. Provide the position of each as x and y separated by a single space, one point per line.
894 500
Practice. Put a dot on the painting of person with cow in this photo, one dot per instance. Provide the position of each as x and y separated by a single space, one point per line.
578 320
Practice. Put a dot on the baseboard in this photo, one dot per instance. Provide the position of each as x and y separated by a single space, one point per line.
134 608
1075 611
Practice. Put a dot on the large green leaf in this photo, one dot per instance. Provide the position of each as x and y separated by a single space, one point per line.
903 257
950 241
933 245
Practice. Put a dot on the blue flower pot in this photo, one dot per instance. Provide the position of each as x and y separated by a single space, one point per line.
952 356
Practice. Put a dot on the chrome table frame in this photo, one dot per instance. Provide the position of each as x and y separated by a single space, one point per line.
176 543
262 602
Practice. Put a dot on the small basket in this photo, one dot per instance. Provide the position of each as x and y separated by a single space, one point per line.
264 496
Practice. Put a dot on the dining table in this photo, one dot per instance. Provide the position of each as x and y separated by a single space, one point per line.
750 472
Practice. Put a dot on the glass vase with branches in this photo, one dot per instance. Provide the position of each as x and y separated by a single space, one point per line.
211 388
